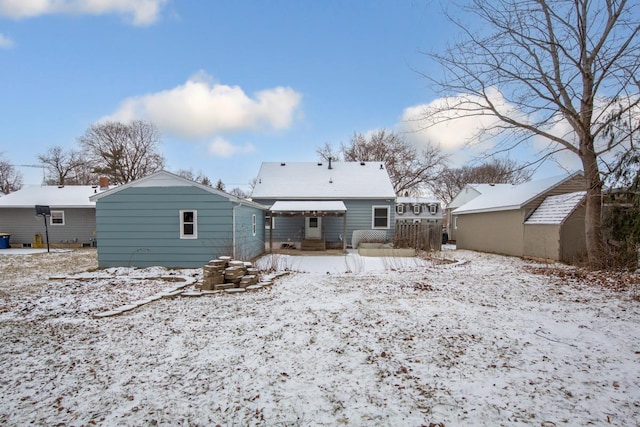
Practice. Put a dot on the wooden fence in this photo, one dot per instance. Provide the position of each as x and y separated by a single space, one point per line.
420 236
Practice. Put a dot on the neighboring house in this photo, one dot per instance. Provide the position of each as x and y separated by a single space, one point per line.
72 221
320 205
555 230
418 210
494 220
166 220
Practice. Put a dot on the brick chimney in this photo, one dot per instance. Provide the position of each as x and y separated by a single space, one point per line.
104 183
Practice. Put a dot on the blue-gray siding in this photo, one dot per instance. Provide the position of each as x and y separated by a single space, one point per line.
22 223
359 217
140 226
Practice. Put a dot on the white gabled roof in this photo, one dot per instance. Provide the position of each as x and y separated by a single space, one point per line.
555 209
416 200
314 180
168 179
501 197
68 196
308 206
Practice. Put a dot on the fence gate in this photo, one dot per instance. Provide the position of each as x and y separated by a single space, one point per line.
420 236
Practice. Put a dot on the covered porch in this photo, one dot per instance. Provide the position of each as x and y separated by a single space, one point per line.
313 212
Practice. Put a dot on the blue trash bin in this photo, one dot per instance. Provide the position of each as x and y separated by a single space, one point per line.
4 240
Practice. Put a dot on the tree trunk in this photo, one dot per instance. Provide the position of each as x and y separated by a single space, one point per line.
593 237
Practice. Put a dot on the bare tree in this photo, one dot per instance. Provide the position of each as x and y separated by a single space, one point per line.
409 170
327 152
239 193
200 177
497 171
538 65
220 185
10 179
123 152
65 167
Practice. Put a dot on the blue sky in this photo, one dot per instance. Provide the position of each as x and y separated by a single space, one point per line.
229 83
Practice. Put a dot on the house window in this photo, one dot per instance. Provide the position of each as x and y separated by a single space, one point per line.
188 224
433 209
253 224
313 222
416 209
455 223
400 208
57 218
380 217
269 222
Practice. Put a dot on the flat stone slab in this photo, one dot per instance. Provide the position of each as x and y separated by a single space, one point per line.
235 290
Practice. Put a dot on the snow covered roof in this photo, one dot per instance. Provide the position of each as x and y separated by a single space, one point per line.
555 209
311 180
500 197
168 179
308 206
416 200
68 196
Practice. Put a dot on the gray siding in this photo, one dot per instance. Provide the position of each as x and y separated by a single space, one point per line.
22 223
140 226
359 217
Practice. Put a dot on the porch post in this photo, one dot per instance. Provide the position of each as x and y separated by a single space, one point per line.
271 233
344 232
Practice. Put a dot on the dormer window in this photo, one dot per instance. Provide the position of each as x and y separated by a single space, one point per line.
416 209
400 208
433 209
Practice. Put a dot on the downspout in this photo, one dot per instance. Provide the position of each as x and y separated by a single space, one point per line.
233 229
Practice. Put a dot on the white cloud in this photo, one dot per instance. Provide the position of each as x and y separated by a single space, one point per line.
141 12
5 42
222 148
456 136
201 108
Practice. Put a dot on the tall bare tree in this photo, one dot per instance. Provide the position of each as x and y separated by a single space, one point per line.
10 179
410 170
537 65
123 152
497 171
199 177
66 167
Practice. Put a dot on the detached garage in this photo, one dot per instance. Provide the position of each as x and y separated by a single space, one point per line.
166 220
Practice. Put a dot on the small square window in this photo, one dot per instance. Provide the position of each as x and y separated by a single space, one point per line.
188 224
380 217
56 218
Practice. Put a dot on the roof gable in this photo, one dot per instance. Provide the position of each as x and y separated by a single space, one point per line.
508 197
323 180
556 209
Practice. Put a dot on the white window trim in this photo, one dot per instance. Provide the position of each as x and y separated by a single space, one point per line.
433 209
400 208
254 222
373 218
55 223
416 209
195 224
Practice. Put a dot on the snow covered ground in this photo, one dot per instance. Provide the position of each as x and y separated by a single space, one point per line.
487 340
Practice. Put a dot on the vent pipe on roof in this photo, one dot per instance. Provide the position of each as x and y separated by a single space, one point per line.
330 163
381 166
